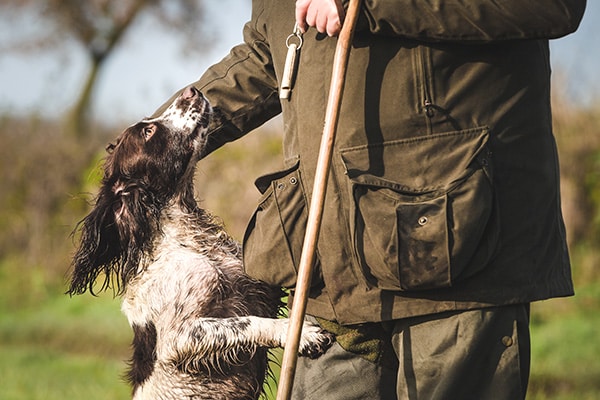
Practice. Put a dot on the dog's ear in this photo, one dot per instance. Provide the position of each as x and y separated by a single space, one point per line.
99 247
115 237
136 213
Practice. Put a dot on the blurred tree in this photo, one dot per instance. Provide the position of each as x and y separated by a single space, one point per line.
98 26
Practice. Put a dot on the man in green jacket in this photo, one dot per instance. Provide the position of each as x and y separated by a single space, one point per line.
442 219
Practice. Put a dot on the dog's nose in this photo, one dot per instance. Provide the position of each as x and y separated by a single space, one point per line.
189 93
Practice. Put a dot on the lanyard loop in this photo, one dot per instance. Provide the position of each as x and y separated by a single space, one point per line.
296 34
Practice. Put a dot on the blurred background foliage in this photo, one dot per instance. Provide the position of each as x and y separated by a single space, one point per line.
56 347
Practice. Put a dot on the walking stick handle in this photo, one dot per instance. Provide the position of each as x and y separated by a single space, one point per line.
315 212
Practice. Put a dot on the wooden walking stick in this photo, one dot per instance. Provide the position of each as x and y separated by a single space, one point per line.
315 212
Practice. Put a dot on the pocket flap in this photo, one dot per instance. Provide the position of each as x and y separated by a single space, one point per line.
417 165
273 240
262 183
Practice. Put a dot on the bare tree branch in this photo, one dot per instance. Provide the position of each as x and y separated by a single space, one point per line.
99 26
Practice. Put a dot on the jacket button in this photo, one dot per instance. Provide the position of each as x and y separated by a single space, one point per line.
293 180
507 341
280 186
422 221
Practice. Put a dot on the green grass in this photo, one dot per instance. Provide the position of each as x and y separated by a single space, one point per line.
566 347
64 348
37 372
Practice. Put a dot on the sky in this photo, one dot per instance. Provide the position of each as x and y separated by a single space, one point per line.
149 66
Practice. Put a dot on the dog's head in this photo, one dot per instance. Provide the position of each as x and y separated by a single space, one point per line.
161 150
150 165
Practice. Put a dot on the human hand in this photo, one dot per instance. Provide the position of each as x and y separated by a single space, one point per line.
325 15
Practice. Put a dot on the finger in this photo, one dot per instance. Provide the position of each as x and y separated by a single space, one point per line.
322 22
312 15
301 12
335 24
333 27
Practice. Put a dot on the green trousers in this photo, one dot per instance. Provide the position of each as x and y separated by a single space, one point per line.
477 354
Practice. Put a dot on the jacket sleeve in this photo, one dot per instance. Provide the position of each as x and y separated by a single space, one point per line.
241 88
472 20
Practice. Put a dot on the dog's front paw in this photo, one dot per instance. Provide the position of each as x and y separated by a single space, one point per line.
314 341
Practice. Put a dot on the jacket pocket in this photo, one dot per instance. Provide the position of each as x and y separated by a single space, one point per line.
274 236
423 209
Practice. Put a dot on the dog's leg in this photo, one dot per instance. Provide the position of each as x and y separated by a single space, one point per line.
213 338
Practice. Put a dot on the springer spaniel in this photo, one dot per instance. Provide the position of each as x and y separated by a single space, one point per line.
202 327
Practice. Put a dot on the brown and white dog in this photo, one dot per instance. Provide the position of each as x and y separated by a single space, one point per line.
202 327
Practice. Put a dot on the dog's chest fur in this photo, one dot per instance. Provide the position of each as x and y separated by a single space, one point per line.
187 274
177 277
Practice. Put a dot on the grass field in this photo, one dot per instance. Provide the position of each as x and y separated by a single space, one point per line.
566 348
75 348
64 349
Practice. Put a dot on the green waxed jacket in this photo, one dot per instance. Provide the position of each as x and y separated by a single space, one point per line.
444 188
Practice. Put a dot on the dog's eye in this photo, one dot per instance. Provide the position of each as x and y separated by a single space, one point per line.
149 131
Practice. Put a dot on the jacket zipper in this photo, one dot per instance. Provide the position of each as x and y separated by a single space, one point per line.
427 106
